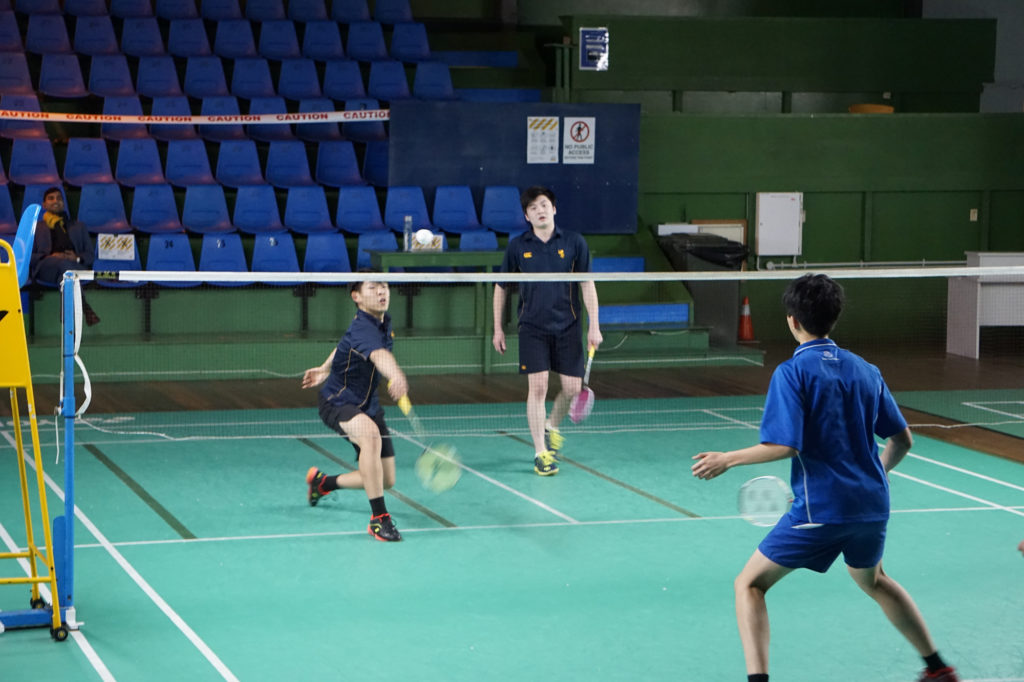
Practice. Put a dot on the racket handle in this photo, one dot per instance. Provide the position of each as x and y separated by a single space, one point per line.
405 405
590 361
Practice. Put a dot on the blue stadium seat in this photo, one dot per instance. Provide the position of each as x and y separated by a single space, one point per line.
264 10
138 163
154 209
111 265
176 9
238 164
226 105
363 131
358 210
251 78
403 201
95 35
233 39
278 39
172 106
375 163
32 162
187 38
454 210
388 81
266 132
480 240
322 41
307 10
8 220
409 42
433 81
392 11
101 209
256 210
381 240
14 75
36 6
317 132
171 252
141 37
326 252
287 164
275 252
502 211
366 41
87 162
204 77
130 8
187 163
206 210
47 34
617 264
343 80
109 76
305 210
157 77
61 76
349 11
25 129
10 33
127 105
336 164
298 79
223 253
218 10
85 8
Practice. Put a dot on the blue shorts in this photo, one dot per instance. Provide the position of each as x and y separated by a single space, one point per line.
789 545
540 351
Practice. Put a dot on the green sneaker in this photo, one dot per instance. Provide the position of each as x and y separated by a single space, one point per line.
545 463
314 477
553 441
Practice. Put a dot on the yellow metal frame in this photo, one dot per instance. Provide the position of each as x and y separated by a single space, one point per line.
14 374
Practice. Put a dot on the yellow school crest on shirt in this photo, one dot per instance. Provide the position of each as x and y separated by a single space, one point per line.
528 254
561 253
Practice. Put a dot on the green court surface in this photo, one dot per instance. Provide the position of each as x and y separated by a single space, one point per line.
198 557
997 410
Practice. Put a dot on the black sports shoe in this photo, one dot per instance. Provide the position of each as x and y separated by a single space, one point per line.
383 528
314 477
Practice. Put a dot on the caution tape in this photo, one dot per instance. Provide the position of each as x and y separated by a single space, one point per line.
361 115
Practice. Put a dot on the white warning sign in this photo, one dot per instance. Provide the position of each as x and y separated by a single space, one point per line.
116 246
541 139
578 140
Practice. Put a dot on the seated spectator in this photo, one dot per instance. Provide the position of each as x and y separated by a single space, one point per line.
61 245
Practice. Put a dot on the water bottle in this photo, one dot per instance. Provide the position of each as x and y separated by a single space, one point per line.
408 232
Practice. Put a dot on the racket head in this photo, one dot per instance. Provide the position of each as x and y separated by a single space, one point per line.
581 405
438 468
764 500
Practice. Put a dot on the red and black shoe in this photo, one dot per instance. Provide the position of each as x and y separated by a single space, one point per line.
314 477
946 674
383 528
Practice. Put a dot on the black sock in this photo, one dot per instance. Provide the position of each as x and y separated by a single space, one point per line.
758 677
934 662
377 506
328 484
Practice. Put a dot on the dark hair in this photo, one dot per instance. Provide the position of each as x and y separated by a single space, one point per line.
534 192
51 190
815 301
356 286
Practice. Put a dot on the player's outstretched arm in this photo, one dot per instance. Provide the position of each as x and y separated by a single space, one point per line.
387 365
896 449
314 376
712 464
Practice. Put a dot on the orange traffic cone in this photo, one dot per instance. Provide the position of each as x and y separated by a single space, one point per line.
746 334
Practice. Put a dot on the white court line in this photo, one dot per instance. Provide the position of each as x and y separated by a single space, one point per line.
136 576
943 488
968 472
982 407
90 654
717 413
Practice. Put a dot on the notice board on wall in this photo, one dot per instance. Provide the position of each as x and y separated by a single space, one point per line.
588 154
780 221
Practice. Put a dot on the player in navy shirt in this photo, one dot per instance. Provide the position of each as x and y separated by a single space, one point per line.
349 404
549 320
824 408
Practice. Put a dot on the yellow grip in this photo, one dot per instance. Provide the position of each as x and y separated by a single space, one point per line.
404 405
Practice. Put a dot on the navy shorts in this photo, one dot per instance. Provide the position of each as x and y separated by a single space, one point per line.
790 545
540 351
333 415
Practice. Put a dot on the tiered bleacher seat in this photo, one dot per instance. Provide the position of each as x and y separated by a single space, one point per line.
366 41
47 34
265 132
322 41
363 131
298 79
176 9
206 210
171 252
343 80
101 209
187 163
433 81
278 39
349 11
256 210
187 38
392 11
381 240
140 37
109 76
454 210
317 132
218 10
406 201
223 253
336 164
251 78
502 210
154 209
409 42
61 76
226 105
287 164
204 77
234 39
358 210
32 162
131 8
326 252
375 163
112 265
275 252
87 162
479 240
8 221
264 10
238 164
305 210
172 106
307 10
127 105
94 35
157 77
138 163
24 129
388 81
10 34
85 8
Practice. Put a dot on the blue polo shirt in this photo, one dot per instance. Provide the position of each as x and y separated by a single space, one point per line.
828 404
353 378
550 307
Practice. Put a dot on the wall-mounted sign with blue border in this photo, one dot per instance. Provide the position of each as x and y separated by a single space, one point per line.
593 49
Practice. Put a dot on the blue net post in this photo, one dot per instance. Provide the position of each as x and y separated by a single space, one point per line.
64 526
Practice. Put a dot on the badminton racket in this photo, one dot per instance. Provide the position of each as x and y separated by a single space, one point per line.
764 500
437 467
583 402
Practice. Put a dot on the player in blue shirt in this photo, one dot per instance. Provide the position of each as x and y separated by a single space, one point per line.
824 407
349 405
549 320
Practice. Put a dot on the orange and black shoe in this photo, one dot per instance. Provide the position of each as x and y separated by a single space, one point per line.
947 674
383 528
314 477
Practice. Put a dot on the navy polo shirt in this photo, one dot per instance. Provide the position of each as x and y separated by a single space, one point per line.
353 378
828 404
550 307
